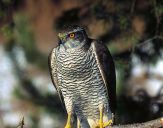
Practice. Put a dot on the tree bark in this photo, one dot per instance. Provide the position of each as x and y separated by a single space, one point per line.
157 123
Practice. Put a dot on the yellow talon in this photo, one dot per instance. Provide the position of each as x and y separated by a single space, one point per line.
68 124
101 117
109 123
101 123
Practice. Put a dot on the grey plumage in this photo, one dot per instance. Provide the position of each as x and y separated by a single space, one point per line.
81 81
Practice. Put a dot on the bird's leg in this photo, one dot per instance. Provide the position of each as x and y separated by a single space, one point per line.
101 116
69 108
68 124
78 123
101 123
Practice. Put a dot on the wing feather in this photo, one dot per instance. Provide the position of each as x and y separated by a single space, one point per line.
53 73
107 69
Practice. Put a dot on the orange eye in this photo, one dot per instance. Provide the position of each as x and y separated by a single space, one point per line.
72 35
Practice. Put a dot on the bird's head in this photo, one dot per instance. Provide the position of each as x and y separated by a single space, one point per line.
73 37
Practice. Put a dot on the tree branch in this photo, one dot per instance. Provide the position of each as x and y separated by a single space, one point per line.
157 123
21 124
157 17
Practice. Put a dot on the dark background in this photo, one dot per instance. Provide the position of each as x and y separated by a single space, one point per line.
131 29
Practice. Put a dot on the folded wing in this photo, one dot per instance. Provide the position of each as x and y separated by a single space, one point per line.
107 69
53 72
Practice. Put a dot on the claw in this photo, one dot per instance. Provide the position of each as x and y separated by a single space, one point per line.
104 125
109 123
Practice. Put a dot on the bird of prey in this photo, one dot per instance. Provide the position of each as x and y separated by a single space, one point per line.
83 73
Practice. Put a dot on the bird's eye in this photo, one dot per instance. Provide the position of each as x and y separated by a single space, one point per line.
72 35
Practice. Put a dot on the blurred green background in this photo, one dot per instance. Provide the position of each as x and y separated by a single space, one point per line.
131 29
